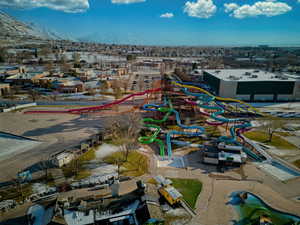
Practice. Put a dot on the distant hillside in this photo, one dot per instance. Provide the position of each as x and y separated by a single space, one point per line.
10 27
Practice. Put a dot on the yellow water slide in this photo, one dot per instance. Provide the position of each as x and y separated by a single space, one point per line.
220 98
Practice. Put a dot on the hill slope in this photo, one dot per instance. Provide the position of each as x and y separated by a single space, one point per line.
10 27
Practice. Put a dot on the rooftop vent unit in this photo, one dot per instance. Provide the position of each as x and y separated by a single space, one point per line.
283 78
231 77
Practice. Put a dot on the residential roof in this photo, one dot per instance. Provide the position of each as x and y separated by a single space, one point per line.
29 75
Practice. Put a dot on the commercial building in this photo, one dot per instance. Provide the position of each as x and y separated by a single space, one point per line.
253 85
224 155
63 158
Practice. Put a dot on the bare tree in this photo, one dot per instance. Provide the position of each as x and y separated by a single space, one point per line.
65 67
117 92
125 84
54 96
45 51
91 91
116 86
34 95
124 131
104 86
49 66
141 84
271 126
76 57
10 94
3 55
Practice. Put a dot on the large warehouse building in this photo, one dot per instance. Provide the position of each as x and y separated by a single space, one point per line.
253 85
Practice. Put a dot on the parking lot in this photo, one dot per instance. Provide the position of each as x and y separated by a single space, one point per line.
141 82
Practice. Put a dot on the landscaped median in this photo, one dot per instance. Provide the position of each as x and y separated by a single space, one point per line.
189 188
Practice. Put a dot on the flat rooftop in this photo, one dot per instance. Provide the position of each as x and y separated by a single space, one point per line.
251 75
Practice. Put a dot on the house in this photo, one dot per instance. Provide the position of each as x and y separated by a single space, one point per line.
82 74
25 78
6 71
63 158
68 85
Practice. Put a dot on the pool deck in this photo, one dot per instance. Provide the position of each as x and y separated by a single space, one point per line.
275 172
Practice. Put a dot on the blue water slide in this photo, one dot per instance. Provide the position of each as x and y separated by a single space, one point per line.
204 101
200 131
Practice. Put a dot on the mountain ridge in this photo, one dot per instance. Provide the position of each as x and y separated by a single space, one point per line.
11 27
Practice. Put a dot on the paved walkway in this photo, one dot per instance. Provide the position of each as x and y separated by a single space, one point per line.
211 205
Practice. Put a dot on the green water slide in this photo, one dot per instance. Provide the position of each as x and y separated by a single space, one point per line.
147 123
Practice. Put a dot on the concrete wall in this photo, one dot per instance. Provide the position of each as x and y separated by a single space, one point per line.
264 97
243 97
296 93
19 107
228 89
285 97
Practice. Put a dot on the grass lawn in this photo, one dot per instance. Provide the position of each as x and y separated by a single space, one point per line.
263 137
78 164
88 156
136 164
297 163
189 188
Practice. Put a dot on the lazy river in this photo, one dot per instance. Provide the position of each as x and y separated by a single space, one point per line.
253 210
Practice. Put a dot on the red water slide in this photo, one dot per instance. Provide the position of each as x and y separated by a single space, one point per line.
97 108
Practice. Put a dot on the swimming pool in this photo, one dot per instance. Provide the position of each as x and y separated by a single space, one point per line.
252 208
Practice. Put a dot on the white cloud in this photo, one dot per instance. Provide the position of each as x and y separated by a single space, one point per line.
126 1
261 8
229 7
167 15
200 8
70 6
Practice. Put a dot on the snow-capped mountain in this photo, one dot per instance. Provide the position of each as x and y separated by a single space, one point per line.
11 27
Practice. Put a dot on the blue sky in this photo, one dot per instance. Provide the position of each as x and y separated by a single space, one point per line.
167 22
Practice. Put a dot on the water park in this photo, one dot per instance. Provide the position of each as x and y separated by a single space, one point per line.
193 137
183 114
